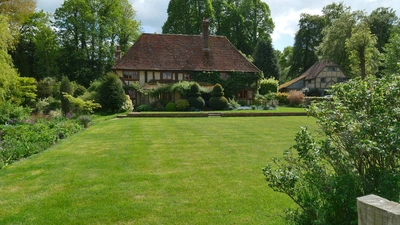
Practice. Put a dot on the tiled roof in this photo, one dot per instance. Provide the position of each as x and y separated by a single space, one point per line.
287 84
174 52
315 69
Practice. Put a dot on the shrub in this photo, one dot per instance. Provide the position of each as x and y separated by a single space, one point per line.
11 111
233 104
65 87
128 105
182 105
144 108
170 107
111 94
24 139
79 91
195 100
357 154
85 120
80 106
41 105
45 88
269 85
282 97
217 100
296 98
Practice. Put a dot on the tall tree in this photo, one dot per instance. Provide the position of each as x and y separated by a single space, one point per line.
333 45
363 55
88 31
307 39
8 75
265 59
381 22
285 63
37 50
17 11
243 22
186 16
391 54
258 23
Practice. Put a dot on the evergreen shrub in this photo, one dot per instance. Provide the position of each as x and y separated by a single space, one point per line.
195 100
111 94
170 107
218 101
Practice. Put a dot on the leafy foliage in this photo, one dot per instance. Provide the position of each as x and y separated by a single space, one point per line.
269 85
282 97
111 94
80 106
65 87
266 60
363 55
186 16
236 81
358 155
11 111
19 139
182 105
307 38
88 31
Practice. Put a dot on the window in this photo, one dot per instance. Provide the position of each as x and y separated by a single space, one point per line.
186 76
132 93
245 94
331 68
309 81
131 75
323 80
224 76
341 79
167 76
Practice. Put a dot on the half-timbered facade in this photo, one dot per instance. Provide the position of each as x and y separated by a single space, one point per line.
170 58
321 76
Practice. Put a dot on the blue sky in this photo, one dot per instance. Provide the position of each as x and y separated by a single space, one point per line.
285 13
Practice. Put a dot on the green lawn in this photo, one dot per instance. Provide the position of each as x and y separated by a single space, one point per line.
153 171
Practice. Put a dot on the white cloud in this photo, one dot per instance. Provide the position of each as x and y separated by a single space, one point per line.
285 13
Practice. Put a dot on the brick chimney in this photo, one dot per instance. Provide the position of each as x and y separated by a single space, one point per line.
206 24
118 53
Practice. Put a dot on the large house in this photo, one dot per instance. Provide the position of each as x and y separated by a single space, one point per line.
320 76
170 58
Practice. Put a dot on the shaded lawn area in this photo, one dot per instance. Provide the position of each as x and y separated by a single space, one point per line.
153 171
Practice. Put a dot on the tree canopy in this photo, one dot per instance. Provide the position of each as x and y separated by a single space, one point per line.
88 31
243 22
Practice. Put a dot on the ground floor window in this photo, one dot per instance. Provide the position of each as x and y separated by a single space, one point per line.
132 93
244 94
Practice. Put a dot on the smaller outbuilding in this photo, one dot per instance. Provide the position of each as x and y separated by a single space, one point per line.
321 76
